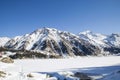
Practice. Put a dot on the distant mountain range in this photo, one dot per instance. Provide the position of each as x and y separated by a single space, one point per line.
51 41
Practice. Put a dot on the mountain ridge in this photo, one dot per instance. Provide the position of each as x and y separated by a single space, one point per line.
63 43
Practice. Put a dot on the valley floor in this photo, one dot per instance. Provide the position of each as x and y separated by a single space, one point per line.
102 68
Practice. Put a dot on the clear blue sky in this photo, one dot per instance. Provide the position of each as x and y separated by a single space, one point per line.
18 17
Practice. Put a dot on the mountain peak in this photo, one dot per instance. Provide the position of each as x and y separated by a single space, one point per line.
86 32
46 30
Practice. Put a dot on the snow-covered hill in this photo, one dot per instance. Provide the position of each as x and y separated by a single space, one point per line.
51 41
3 40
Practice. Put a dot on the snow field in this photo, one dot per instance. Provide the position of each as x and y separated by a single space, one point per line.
97 67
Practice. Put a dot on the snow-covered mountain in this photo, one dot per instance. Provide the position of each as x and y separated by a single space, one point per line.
112 40
53 41
3 40
109 43
93 38
62 43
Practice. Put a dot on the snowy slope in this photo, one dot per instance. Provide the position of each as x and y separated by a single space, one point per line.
113 40
3 40
30 39
94 38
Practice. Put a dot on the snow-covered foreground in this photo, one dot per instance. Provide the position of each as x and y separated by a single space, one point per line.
96 67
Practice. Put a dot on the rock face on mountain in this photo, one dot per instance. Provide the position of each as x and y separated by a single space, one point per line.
51 41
